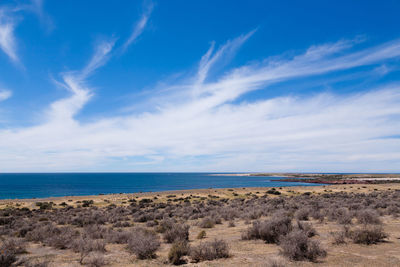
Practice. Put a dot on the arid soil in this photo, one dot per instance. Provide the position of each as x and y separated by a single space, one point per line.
341 225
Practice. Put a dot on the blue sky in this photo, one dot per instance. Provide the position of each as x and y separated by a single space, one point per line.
199 86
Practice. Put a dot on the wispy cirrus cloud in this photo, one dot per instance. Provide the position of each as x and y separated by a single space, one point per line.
9 19
140 25
37 7
7 38
204 130
75 82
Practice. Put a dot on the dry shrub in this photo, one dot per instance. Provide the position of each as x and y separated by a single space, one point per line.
368 216
178 249
345 218
339 238
302 214
7 257
84 246
177 232
165 225
307 229
37 263
151 223
118 237
14 245
51 235
317 215
270 231
210 251
62 239
95 231
368 235
275 262
202 234
298 246
96 260
206 223
143 244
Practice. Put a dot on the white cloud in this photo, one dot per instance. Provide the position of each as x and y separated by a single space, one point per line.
7 39
64 110
99 58
140 25
207 132
5 94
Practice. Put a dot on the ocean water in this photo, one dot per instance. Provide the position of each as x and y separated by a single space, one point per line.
40 185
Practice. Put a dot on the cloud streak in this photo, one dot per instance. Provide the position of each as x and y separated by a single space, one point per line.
7 39
140 25
64 110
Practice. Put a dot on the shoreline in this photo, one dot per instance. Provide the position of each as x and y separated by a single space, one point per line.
317 179
179 195
151 194
324 178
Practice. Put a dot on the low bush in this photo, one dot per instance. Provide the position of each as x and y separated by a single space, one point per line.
275 262
84 246
44 205
14 245
177 232
7 257
118 237
96 260
87 203
165 225
36 263
202 234
206 223
368 235
178 249
143 244
307 228
302 214
270 231
339 238
368 216
298 246
273 191
210 251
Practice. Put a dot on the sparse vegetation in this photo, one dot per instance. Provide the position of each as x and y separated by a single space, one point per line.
142 225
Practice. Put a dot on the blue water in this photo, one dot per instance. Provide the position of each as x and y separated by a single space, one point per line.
40 185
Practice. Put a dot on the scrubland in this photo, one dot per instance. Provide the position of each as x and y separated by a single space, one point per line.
346 225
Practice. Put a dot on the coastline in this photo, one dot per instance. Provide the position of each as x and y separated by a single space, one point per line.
313 179
323 178
210 193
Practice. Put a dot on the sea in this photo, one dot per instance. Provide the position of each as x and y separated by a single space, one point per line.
42 185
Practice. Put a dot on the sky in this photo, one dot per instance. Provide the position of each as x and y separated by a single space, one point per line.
199 86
